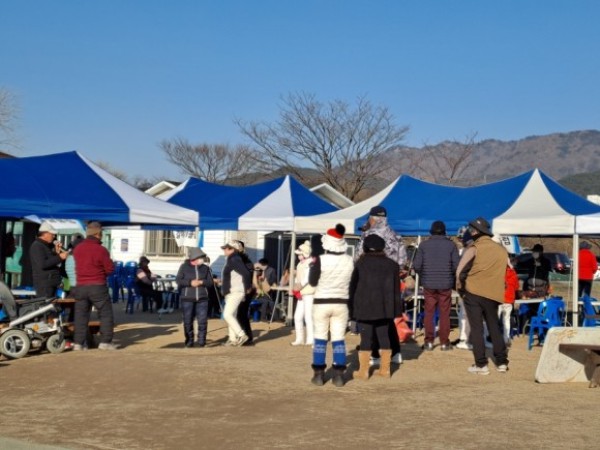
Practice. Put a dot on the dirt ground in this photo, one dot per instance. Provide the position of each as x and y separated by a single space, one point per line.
155 394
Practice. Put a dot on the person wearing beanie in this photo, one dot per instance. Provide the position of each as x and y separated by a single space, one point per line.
436 262
481 281
144 280
330 276
243 312
588 265
374 302
303 292
538 273
377 223
194 281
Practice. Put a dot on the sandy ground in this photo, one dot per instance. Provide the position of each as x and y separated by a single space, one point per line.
155 394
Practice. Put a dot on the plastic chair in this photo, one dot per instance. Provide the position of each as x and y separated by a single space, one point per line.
550 314
589 310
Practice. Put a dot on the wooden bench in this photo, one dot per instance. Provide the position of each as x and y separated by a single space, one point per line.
595 348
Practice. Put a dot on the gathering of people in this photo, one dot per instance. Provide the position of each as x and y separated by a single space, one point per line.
332 287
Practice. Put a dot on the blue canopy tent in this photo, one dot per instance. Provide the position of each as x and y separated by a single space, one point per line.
268 206
69 186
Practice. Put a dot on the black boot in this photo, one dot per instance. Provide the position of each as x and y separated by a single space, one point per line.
338 375
319 376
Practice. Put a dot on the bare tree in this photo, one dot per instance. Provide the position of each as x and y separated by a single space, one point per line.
8 119
341 142
210 162
445 163
114 172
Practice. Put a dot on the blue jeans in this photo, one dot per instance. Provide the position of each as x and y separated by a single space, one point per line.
198 310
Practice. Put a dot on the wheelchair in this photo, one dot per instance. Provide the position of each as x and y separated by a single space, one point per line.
31 324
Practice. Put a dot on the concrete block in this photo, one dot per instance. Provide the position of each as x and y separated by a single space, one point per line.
572 365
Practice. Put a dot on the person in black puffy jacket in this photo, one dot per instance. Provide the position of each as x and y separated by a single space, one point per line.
194 279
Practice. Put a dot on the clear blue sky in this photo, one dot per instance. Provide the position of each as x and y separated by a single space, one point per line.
112 78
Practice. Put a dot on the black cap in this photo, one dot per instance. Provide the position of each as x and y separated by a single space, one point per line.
373 243
378 211
538 248
481 225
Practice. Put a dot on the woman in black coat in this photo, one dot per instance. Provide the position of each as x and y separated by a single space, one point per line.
374 302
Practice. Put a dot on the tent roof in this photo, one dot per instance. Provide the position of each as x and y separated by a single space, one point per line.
271 205
414 204
69 186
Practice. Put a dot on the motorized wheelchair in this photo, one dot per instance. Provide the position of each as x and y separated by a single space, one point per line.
29 324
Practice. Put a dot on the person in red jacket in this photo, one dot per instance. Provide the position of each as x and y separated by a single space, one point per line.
92 266
588 265
511 286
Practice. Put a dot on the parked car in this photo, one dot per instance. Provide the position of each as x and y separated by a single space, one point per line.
559 262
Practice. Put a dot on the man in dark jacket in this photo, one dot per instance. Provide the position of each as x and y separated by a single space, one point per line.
436 262
93 266
46 258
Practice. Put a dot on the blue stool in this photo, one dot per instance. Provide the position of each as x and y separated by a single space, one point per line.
254 309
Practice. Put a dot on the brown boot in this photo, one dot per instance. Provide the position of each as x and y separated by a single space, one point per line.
384 366
363 365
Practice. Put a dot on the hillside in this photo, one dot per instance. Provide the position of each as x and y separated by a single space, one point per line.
558 155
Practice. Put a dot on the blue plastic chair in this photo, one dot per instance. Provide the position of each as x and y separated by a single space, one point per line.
589 310
550 314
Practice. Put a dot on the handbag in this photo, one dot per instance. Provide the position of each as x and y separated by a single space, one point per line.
404 331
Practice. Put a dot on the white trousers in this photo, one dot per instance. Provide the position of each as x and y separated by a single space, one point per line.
232 302
332 318
504 314
304 314
464 329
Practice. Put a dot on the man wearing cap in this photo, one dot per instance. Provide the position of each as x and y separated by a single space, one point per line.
194 279
396 251
436 262
236 282
588 265
46 257
93 266
480 277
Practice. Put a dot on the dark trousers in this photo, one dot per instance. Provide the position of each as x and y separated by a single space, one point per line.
392 338
441 299
481 309
243 317
45 290
149 297
86 297
585 287
199 311
374 331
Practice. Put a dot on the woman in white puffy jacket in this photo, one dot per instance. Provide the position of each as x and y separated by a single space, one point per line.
303 292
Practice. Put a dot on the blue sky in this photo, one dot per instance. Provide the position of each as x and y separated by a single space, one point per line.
113 78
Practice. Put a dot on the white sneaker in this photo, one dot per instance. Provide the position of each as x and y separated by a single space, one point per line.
374 361
108 346
502 368
397 358
478 370
170 310
241 340
296 343
464 345
162 311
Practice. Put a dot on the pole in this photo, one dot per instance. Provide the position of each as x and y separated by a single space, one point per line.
575 275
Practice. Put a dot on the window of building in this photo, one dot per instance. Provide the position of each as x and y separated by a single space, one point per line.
162 243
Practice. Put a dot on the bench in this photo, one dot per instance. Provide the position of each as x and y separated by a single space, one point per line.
589 348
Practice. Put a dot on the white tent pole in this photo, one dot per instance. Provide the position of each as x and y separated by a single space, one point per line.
416 294
575 275
290 309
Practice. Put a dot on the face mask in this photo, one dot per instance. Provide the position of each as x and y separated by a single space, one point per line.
536 255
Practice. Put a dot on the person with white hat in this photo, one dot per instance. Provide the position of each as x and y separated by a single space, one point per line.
46 256
330 274
303 292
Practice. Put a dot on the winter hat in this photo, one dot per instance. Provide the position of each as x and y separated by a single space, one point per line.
236 245
378 211
333 240
143 259
481 225
373 243
538 248
438 228
46 227
304 249
196 253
